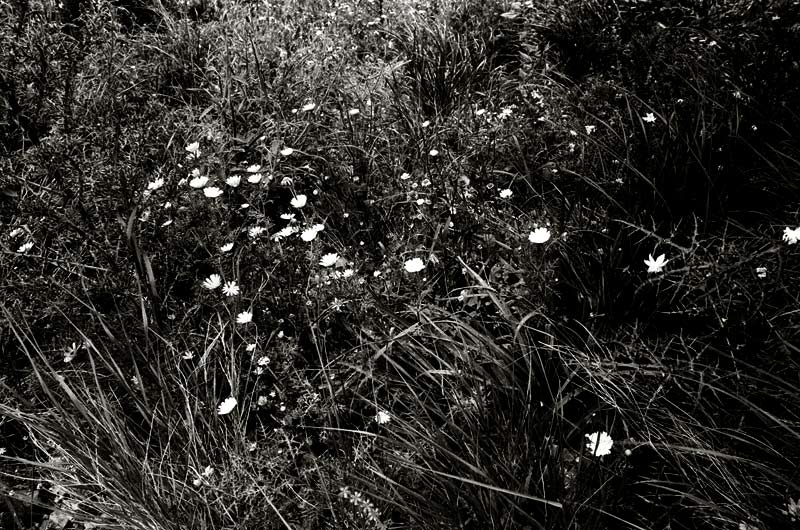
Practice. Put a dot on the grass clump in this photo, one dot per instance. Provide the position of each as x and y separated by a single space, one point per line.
399 264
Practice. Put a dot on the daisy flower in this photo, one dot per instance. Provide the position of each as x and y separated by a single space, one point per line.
255 168
256 231
25 247
791 236
329 260
227 247
286 151
286 231
414 265
233 181
649 117
198 182
212 192
599 443
245 317
193 149
590 129
212 282
506 193
382 417
287 216
309 234
540 235
251 347
226 406
655 265
230 289
255 178
157 183
299 201
434 152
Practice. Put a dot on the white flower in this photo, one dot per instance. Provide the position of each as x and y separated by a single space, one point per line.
255 168
227 247
187 355
230 289
256 231
353 112
540 235
288 216
506 193
166 223
226 406
405 176
212 282
309 106
209 470
15 232
329 260
791 236
649 118
309 234
599 443
255 178
299 201
434 152
590 129
233 181
348 273
319 227
244 317
286 151
382 417
286 231
193 149
655 265
426 123
157 183
263 360
198 182
414 265
212 192
761 272
25 247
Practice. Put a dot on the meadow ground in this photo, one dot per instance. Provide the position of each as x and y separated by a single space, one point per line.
399 264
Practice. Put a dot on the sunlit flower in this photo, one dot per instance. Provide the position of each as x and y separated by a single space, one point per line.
286 231
193 149
309 106
212 282
791 236
405 176
256 231
226 406
540 235
210 470
244 317
255 178
233 181
198 182
382 417
434 152
25 247
309 234
426 123
255 168
263 360
761 272
599 443
230 289
506 193
590 129
329 260
157 183
655 265
187 355
14 233
649 118
299 201
414 265
353 112
288 216
227 247
286 151
212 192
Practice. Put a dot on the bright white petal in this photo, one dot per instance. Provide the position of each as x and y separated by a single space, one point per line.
226 406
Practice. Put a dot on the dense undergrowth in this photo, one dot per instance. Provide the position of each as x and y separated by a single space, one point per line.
381 264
